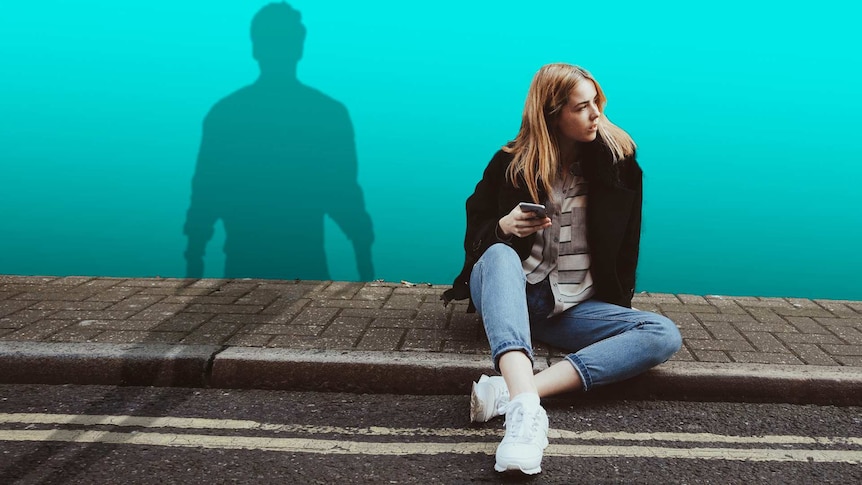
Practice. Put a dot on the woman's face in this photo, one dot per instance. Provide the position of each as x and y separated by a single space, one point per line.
578 120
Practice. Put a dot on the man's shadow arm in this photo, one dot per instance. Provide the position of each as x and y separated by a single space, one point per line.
203 210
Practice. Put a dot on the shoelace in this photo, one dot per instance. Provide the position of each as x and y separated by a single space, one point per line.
519 417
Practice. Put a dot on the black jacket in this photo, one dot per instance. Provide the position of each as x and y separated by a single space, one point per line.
613 221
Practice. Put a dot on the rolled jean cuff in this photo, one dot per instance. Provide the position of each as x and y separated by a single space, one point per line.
581 369
508 347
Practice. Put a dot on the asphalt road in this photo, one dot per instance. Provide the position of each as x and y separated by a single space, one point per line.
92 434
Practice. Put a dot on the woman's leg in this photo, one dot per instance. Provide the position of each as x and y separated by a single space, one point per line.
609 343
498 289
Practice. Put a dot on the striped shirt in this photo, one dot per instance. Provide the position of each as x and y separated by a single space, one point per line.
560 252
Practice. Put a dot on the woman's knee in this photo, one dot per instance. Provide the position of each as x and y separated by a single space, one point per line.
666 339
500 253
670 336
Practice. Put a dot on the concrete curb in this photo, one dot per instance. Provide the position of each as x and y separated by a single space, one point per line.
396 372
106 364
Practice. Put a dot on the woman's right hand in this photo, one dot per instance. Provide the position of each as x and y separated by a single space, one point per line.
522 224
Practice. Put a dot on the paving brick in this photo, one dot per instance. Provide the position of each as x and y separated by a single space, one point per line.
70 305
244 319
160 311
210 283
662 297
766 327
38 331
132 325
70 281
184 322
422 345
101 283
812 354
132 337
766 342
840 322
270 329
210 333
684 319
683 355
459 319
466 347
249 340
839 308
75 335
802 312
381 339
764 358
312 343
419 290
710 355
377 313
24 317
346 327
426 323
168 291
772 303
766 315
848 334
698 309
726 318
114 294
355 304
10 307
135 303
55 295
314 316
855 305
737 345
407 302
259 297
92 315
694 333
849 360
285 309
723 331
224 308
30 280
807 338
807 325
726 306
342 289
837 350
373 293
157 282
433 311
692 299
237 288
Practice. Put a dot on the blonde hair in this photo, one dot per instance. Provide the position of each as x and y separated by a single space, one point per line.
536 148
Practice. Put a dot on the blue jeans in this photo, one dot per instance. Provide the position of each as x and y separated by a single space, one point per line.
607 343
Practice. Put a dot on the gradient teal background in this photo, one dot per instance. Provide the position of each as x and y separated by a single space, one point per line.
746 115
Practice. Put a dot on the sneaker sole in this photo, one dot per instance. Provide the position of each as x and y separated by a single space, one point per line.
517 468
478 412
476 408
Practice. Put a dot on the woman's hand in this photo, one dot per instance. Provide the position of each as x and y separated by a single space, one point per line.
522 224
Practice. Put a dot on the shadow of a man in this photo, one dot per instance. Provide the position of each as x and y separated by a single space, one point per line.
275 157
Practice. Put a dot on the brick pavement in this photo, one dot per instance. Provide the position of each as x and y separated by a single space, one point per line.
381 316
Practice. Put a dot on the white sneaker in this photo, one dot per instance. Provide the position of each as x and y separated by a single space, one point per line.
489 398
526 436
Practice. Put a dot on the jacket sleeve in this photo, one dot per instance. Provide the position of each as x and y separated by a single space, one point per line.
484 210
627 261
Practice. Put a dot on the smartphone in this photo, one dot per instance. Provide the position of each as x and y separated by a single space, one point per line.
537 209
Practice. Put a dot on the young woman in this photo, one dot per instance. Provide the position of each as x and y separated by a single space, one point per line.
565 277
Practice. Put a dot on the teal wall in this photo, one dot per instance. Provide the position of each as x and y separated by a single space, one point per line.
745 114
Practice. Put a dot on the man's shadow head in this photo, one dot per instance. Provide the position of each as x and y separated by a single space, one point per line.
277 37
